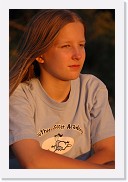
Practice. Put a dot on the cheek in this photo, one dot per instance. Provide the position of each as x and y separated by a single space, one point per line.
84 54
61 58
58 55
55 61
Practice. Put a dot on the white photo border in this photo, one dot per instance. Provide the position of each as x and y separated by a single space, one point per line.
119 171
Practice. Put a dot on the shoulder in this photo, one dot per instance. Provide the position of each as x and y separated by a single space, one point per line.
91 81
92 88
24 91
26 86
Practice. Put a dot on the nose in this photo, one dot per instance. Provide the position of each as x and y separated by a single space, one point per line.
77 54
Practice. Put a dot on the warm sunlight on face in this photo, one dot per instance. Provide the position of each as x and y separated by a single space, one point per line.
64 60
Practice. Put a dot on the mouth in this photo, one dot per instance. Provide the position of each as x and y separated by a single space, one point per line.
74 66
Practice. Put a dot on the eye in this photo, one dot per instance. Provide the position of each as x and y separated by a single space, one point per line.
82 45
65 46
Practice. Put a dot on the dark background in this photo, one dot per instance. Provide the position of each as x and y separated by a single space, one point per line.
100 47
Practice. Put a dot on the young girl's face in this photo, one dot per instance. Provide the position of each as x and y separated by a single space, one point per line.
64 60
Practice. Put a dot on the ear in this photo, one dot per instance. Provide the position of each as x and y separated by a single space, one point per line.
40 59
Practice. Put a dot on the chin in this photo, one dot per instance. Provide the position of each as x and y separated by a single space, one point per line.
73 77
68 77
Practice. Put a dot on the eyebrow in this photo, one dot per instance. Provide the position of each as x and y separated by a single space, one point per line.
66 42
84 41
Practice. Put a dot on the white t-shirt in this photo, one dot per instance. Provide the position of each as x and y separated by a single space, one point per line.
69 128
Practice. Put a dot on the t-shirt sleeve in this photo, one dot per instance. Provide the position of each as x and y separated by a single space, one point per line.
102 120
21 117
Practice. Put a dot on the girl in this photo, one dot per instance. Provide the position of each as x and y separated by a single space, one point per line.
57 115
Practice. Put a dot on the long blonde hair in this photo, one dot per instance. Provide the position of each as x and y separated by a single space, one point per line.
39 35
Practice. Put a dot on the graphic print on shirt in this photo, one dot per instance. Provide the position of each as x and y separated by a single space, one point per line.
58 144
67 127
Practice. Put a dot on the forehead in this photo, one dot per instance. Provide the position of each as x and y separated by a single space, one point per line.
71 31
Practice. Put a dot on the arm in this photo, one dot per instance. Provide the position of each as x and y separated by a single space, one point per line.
102 125
104 152
32 156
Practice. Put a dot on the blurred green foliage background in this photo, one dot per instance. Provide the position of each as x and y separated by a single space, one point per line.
100 47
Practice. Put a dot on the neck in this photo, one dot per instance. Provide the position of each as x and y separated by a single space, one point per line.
58 90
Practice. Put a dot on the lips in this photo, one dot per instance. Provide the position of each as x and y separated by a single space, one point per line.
74 66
